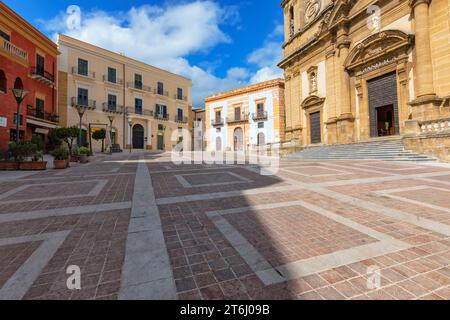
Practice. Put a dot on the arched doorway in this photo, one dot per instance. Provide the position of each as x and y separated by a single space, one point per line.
261 139
218 144
238 139
138 136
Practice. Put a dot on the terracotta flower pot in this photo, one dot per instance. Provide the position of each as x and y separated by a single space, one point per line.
59 164
9 165
83 158
33 165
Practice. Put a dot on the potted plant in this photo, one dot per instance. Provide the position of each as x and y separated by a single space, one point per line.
61 156
100 135
6 163
37 162
84 154
75 154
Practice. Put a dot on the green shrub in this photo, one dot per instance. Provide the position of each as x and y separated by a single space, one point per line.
37 140
60 154
84 150
22 150
38 156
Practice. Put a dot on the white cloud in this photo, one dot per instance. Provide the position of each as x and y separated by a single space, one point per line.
166 36
267 57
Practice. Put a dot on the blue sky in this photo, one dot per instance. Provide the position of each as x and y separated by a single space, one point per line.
219 44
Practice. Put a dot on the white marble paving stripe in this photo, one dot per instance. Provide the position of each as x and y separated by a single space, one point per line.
39 214
146 272
22 280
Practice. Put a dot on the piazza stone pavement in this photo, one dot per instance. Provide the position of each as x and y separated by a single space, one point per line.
140 227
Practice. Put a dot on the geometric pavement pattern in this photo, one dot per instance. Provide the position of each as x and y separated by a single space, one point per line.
141 227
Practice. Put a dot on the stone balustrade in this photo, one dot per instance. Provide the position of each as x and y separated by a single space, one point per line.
435 126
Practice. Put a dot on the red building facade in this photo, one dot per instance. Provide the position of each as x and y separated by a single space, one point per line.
28 60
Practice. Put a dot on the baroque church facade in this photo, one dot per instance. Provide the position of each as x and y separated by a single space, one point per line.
360 69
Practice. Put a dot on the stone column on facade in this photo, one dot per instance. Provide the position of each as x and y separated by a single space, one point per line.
130 142
149 135
346 118
331 96
423 66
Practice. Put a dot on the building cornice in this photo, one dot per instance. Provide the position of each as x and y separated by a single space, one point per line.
247 89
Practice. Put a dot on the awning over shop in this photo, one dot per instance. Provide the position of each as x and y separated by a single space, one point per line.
41 123
41 131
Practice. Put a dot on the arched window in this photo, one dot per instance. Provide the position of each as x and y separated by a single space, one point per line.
18 84
3 82
218 144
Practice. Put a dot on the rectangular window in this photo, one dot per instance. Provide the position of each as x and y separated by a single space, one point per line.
260 125
260 108
237 113
15 120
83 97
138 81
83 66
112 102
180 94
218 116
160 88
180 114
160 127
40 63
138 106
161 111
112 75
4 35
40 108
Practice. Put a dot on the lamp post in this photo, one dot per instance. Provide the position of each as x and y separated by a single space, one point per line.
130 122
19 94
81 110
111 118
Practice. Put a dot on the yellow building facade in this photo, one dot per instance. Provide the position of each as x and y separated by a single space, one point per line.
357 70
243 118
146 107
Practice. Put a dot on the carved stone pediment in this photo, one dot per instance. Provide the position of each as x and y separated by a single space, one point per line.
388 43
312 101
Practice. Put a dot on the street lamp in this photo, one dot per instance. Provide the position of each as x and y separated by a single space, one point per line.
130 121
19 94
111 118
81 110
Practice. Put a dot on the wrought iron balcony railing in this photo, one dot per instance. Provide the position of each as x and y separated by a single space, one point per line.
117 80
139 111
112 109
41 75
181 119
236 119
86 103
161 116
259 116
217 122
161 93
138 86
41 114
182 98
83 73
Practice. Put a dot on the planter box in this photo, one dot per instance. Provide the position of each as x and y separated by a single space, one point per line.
33 165
9 165
83 158
73 158
60 164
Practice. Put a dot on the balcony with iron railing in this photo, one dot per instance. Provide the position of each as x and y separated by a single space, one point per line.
217 122
238 118
42 114
112 81
139 111
14 50
112 108
259 116
138 86
161 93
39 74
83 73
161 116
84 103
181 98
180 119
